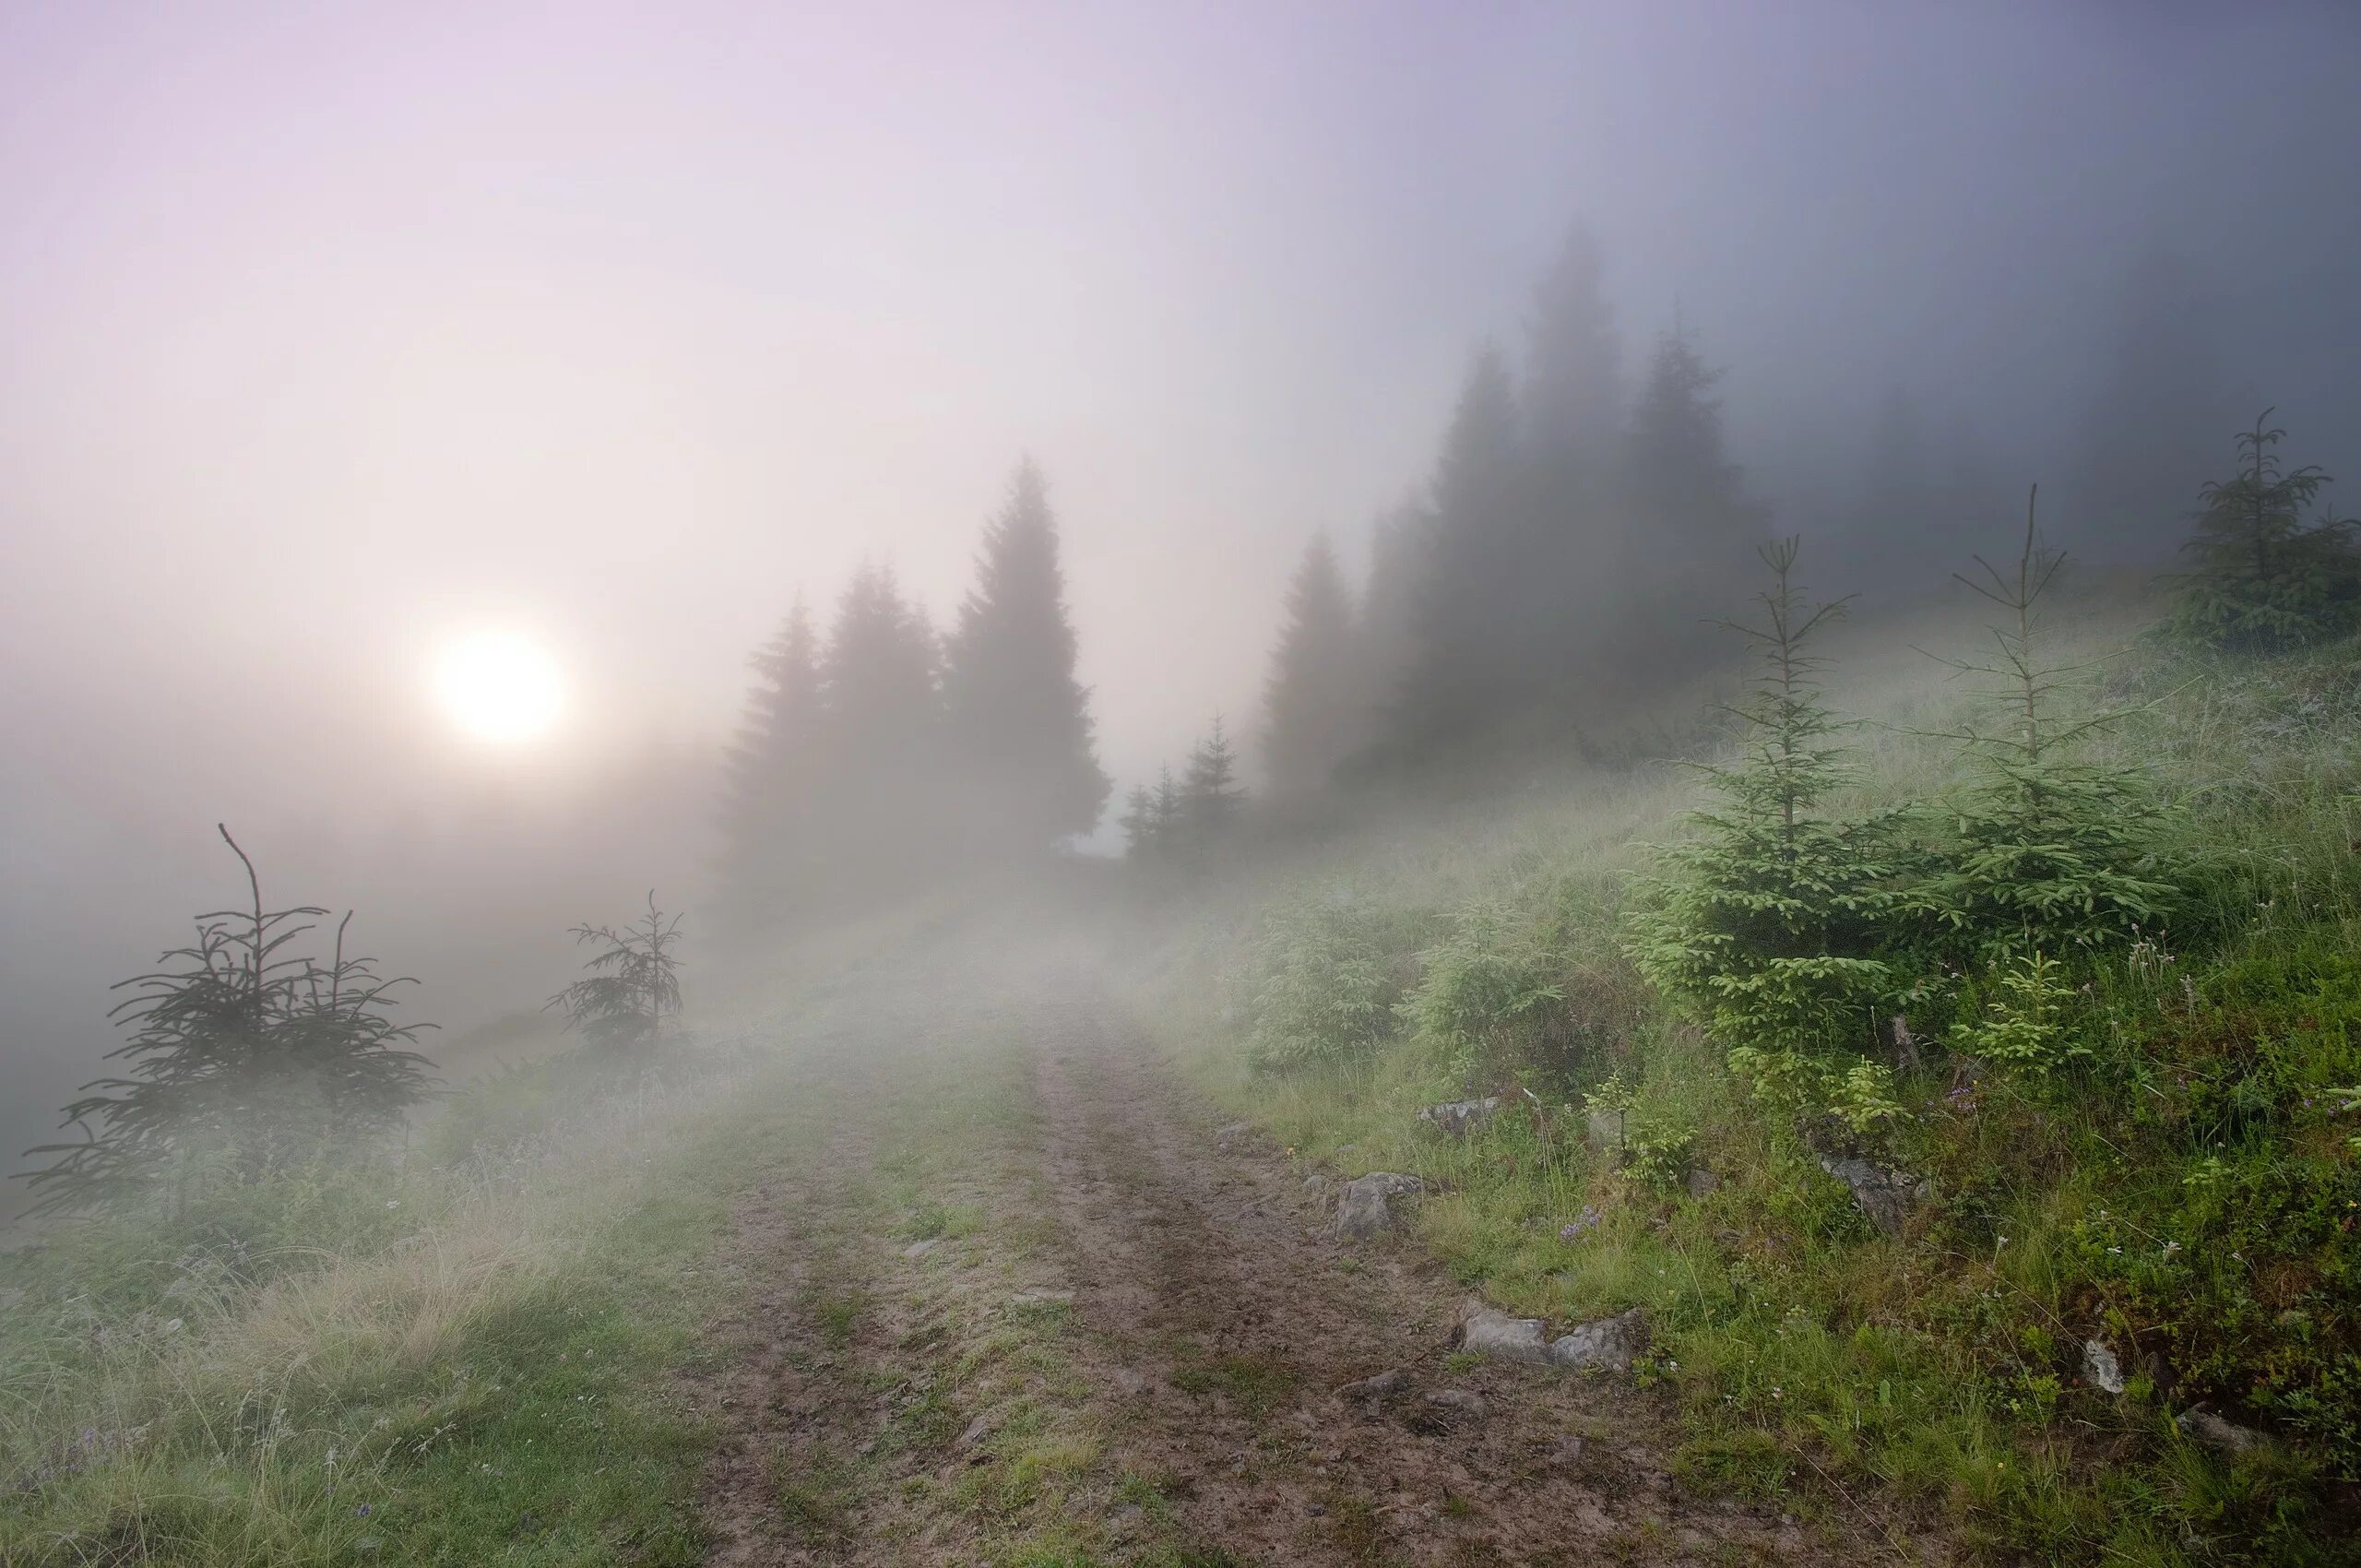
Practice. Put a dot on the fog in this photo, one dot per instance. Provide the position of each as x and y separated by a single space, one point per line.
329 335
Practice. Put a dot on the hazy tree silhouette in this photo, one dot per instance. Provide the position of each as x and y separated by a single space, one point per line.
1018 722
633 985
1463 671
770 776
882 797
247 1058
2264 577
1314 699
1693 528
1210 794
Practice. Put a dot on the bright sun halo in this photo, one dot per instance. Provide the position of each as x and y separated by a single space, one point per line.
499 686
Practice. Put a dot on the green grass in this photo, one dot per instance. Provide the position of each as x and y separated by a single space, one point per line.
2187 1190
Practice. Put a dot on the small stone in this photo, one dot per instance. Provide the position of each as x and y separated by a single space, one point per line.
1613 1343
1315 1182
978 1430
1367 1207
1129 1381
1377 1387
1460 1117
921 1249
1885 1196
1232 1132
2221 1436
1460 1403
1568 1451
2101 1366
1487 1331
1702 1182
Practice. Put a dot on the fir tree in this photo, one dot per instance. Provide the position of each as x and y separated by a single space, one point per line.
769 774
1211 795
1693 522
633 985
2052 849
1169 815
1312 701
1763 926
1018 721
1570 563
1466 668
246 1059
881 795
2264 579
1139 822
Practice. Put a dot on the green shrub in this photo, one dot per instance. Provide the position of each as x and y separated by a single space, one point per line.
1490 996
1327 987
2264 580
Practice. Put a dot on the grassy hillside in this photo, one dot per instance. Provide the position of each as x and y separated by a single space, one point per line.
2178 1185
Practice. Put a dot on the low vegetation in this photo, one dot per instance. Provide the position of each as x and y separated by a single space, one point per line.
2063 942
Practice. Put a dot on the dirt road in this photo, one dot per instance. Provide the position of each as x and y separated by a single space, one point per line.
1132 1352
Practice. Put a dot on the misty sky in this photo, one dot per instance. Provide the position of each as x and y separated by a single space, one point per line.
328 331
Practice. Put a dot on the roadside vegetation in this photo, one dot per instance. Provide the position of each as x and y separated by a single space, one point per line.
2059 942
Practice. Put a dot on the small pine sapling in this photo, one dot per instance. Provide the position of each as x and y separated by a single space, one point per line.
2263 579
246 1059
2051 850
633 985
1763 927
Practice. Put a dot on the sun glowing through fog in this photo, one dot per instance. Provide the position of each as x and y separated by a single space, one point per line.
499 686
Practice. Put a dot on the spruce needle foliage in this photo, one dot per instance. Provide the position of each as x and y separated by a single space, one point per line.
248 1059
2264 580
632 987
1761 927
2052 851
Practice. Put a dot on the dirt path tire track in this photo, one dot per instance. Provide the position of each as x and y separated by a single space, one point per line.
1203 1282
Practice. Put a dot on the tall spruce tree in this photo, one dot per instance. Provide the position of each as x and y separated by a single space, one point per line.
881 790
1467 669
1312 701
770 776
1018 721
1573 561
1691 524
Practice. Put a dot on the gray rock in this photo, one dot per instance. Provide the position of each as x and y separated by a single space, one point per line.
1377 1387
978 1430
1487 1331
921 1249
2220 1436
1315 1182
1460 1117
1885 1196
1459 1404
1232 1132
1611 1342
1367 1207
2100 1366
1702 1182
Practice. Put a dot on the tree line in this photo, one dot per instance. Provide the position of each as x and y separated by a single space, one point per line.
872 759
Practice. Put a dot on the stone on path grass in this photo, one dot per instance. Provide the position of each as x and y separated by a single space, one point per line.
1367 1209
1460 1117
1460 1403
1038 1297
1611 1342
1377 1387
2221 1436
2099 1365
1487 1331
1884 1194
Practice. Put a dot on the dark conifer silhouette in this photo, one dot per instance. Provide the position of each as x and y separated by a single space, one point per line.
771 776
2266 578
634 986
1018 722
246 1059
1693 531
1210 793
882 798
1314 713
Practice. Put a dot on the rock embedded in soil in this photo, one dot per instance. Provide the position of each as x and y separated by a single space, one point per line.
2099 1365
1703 1183
921 1249
2221 1436
1377 1387
1487 1331
1459 1404
1037 1297
1613 1342
1232 1132
1460 1117
1367 1207
1884 1194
